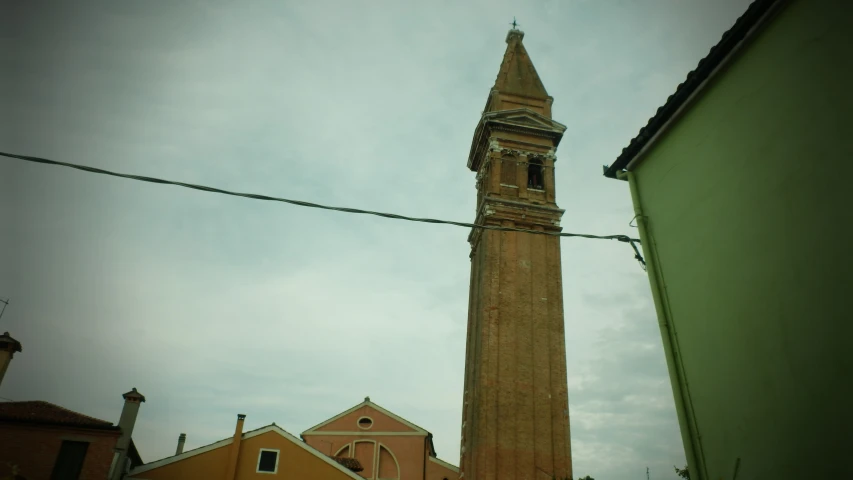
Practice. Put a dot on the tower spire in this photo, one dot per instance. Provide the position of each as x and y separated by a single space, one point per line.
517 83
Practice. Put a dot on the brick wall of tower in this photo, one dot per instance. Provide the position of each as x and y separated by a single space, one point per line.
516 417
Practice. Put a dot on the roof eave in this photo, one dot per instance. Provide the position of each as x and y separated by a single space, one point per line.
721 55
108 428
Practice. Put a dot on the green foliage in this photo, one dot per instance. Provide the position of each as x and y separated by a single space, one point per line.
683 473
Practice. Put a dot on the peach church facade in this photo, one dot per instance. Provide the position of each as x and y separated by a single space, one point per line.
364 442
386 446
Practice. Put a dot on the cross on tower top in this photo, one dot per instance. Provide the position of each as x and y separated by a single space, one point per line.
514 24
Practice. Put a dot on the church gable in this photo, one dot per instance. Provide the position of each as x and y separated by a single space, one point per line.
366 418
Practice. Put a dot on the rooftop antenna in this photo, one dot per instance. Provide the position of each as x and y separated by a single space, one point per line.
5 302
514 24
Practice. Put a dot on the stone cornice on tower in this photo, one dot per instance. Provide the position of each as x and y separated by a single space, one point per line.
524 122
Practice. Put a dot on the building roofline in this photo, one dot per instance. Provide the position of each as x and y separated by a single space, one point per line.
9 342
76 419
247 435
739 34
444 464
65 425
366 403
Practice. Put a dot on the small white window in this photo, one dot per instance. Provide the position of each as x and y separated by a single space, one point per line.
268 461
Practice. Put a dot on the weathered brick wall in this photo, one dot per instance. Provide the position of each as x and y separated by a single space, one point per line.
34 450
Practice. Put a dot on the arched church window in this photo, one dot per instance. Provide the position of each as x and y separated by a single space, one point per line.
535 175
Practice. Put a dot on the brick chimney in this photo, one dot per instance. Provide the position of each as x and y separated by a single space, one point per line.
234 455
182 438
8 347
132 401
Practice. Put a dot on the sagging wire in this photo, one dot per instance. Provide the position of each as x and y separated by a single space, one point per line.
621 238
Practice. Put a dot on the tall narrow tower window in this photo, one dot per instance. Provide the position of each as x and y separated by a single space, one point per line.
535 178
508 168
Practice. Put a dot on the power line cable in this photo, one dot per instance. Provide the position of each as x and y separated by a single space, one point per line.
622 238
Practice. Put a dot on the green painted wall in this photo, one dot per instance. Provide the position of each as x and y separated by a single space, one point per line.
748 199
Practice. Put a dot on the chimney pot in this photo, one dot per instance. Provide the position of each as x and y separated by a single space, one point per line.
132 401
241 416
8 347
182 438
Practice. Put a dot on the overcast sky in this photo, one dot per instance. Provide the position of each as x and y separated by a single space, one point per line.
213 305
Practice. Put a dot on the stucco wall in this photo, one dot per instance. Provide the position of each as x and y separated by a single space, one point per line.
407 450
34 450
438 471
748 200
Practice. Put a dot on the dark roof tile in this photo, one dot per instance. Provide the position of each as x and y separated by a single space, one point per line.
47 413
350 463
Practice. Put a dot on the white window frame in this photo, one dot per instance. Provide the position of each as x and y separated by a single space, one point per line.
277 457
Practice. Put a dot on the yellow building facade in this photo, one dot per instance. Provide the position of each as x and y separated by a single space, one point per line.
365 442
256 454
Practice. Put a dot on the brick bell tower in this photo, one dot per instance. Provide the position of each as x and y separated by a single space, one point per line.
515 417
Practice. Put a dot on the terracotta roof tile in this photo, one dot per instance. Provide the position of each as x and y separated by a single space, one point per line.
48 413
350 463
